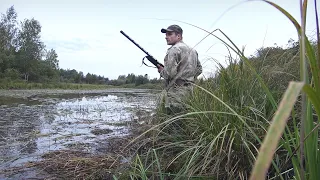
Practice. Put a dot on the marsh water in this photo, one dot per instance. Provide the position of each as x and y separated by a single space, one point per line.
33 125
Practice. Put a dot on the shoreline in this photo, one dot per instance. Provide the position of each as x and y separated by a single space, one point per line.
30 93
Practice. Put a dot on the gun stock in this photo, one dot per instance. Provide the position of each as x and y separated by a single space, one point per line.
149 57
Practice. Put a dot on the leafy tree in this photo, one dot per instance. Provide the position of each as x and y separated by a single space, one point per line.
12 74
130 78
8 38
23 55
52 59
30 47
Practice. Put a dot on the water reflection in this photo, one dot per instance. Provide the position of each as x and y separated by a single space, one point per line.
62 123
17 128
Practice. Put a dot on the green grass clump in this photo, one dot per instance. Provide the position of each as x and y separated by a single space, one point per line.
271 98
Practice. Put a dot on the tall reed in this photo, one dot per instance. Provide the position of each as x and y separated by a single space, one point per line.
306 163
221 132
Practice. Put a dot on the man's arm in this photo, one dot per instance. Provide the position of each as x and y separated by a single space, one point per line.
199 66
171 64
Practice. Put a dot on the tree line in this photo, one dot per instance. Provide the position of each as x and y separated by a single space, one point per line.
24 57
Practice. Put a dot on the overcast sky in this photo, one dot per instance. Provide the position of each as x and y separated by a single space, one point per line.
86 34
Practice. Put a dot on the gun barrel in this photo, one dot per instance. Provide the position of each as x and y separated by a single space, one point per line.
134 43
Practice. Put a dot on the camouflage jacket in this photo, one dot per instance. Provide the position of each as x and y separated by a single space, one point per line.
181 63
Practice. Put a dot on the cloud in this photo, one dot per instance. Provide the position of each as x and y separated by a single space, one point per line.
68 45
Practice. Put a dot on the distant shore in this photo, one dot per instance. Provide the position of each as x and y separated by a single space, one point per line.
27 93
20 85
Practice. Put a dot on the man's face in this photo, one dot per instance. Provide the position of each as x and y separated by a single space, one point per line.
172 38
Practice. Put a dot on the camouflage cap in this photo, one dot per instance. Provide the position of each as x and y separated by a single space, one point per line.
172 28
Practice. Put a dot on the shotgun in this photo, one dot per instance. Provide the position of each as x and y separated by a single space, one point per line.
149 57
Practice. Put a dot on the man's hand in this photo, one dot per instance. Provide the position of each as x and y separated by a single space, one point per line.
160 68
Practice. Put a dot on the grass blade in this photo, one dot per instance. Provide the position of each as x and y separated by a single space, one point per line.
158 163
275 131
318 36
305 44
313 97
304 78
286 13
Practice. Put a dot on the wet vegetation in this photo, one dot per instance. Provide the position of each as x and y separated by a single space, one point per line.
101 131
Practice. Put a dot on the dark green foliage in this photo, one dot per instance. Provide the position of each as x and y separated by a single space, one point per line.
24 57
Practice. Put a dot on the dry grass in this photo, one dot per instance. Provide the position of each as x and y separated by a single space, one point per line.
67 164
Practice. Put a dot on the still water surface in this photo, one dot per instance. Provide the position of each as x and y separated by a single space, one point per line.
42 124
